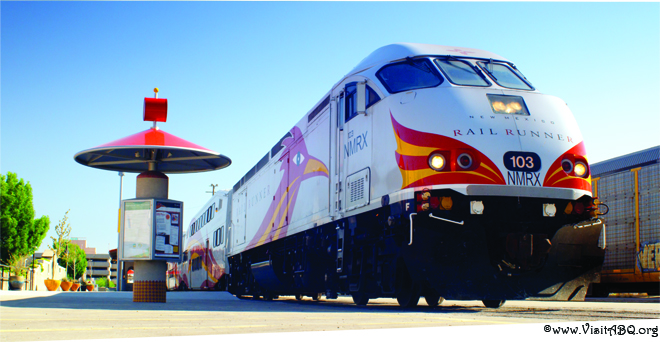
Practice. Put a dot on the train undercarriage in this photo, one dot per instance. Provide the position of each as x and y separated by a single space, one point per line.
508 251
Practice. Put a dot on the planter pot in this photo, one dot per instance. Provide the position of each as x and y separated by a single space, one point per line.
66 285
74 287
90 288
52 284
16 283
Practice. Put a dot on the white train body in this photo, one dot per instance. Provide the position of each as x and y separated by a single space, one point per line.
204 261
354 184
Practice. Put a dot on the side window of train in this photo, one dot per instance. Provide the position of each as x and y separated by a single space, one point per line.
196 263
409 75
217 236
351 99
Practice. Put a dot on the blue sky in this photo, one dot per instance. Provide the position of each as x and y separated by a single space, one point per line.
238 75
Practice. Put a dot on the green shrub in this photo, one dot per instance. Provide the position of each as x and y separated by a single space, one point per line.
105 282
17 263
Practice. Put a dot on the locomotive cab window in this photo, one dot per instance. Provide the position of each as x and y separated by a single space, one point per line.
409 75
462 73
505 76
351 100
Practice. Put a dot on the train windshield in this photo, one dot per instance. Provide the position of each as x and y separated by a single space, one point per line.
461 73
408 75
505 76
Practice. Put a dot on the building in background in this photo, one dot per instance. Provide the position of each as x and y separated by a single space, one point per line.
98 265
82 243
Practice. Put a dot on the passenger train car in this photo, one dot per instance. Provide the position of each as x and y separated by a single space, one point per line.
427 171
204 260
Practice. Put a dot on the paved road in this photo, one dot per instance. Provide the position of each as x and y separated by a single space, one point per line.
33 316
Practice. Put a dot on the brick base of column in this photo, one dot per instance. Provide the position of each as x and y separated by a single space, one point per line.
149 291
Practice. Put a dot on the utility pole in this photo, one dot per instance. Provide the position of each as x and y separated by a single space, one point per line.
119 278
213 186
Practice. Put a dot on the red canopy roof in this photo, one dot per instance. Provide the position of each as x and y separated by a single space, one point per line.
163 151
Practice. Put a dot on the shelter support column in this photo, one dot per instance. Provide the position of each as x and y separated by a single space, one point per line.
149 284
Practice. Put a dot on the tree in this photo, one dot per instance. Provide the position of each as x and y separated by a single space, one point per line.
73 258
62 230
20 233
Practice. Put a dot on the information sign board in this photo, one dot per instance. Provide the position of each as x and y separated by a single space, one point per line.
137 226
168 229
151 229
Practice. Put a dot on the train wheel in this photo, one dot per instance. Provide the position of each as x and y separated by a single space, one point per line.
298 297
408 291
409 294
360 298
433 299
317 296
409 297
493 303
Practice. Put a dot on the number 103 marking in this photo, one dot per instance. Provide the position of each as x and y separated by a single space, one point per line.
522 161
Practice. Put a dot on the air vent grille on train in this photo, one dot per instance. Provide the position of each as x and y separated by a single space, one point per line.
358 189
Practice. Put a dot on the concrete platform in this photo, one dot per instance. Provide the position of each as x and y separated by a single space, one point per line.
51 316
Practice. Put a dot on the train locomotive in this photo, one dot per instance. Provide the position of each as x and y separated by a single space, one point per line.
427 171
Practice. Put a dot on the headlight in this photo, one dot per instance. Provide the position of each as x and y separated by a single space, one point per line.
504 104
437 161
580 169
567 165
464 161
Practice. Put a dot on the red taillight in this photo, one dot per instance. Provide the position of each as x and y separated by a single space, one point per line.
435 202
425 201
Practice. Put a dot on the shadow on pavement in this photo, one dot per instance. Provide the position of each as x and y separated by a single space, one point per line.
209 301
